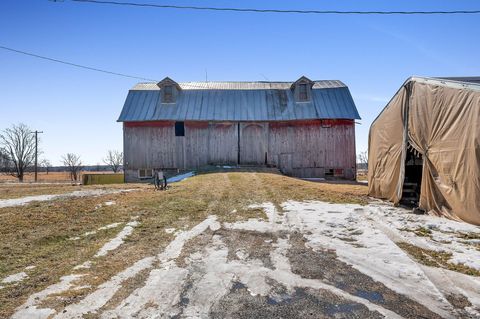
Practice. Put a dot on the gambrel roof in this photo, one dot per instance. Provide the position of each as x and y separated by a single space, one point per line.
239 101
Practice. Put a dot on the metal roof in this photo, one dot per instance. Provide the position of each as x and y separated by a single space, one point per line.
262 85
239 101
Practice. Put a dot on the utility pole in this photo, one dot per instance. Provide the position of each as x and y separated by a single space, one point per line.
36 152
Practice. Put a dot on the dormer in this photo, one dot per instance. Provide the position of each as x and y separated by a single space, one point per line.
169 90
302 89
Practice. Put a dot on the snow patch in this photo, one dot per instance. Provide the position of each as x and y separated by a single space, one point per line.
42 198
442 234
362 236
15 278
29 309
169 230
109 226
93 232
117 240
85 265
97 299
350 230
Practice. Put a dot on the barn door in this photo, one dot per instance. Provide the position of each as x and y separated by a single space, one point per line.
253 143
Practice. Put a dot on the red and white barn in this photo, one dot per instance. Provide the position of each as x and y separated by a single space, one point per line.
305 128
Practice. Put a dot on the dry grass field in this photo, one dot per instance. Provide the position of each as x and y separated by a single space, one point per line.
231 245
42 177
38 234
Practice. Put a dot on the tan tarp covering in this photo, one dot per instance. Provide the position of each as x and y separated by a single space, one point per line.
443 124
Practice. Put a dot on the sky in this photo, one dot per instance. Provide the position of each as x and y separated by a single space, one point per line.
77 109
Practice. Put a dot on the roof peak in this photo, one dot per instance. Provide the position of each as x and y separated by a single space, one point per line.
241 85
472 83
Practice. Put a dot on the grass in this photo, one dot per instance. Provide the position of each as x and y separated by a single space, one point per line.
434 258
38 234
63 177
419 231
469 236
9 191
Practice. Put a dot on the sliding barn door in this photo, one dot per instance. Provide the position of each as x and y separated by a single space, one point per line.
253 143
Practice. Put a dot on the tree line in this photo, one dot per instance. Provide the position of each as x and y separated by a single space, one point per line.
17 155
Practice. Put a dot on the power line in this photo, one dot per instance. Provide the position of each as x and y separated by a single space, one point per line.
75 64
91 68
169 6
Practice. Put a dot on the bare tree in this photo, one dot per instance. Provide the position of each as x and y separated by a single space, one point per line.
114 159
362 159
5 163
73 164
18 143
46 164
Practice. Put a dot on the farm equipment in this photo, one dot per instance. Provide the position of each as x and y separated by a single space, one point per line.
160 180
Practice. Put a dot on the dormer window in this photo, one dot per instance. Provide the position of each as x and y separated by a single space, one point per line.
167 94
302 92
302 89
169 90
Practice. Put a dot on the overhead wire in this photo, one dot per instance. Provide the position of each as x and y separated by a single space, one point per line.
288 11
93 68
74 64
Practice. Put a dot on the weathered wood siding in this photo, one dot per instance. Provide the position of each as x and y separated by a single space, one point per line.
312 148
299 148
253 143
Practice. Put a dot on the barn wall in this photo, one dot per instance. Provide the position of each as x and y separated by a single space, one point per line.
313 148
302 148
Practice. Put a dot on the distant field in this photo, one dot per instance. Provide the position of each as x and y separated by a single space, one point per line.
44 177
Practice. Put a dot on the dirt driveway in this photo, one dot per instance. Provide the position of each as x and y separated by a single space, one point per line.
251 254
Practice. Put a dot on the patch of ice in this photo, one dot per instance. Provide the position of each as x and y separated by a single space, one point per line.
15 278
109 203
30 267
180 177
117 240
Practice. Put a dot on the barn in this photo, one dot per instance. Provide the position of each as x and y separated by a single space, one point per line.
424 147
305 128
